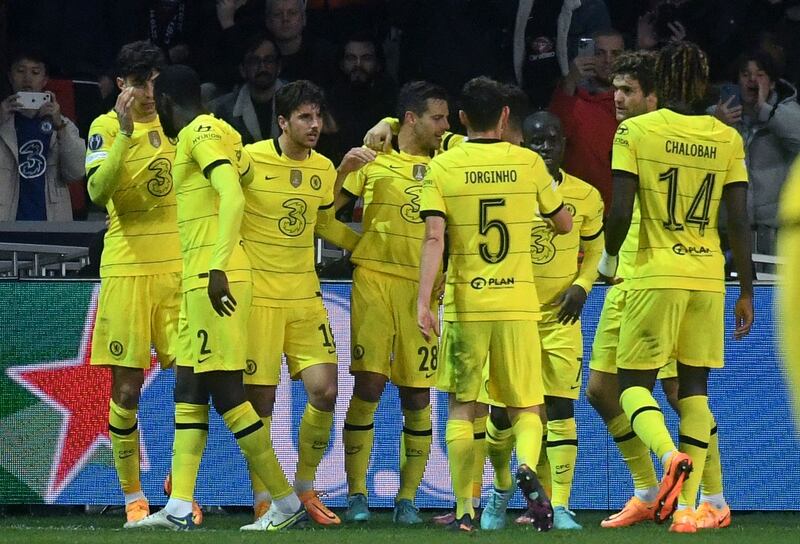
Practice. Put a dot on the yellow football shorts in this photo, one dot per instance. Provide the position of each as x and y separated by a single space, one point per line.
514 361
606 338
562 356
133 313
384 337
209 342
303 334
658 323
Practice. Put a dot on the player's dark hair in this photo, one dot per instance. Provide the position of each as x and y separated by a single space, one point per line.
482 100
181 83
293 95
255 40
518 105
32 53
138 60
414 96
607 32
638 65
763 60
681 76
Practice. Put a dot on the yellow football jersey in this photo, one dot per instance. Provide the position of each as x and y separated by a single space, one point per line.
683 162
142 237
789 284
391 186
203 142
489 191
555 258
278 226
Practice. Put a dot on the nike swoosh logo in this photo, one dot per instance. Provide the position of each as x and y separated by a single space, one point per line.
200 361
575 387
562 471
180 522
395 167
331 351
125 455
429 374
270 177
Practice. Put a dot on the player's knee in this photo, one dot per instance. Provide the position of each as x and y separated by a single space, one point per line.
323 397
126 386
500 419
415 398
262 397
559 408
369 386
127 394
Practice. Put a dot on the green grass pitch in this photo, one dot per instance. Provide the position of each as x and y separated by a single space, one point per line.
768 528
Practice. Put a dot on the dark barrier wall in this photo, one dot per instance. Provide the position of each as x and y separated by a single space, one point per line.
53 417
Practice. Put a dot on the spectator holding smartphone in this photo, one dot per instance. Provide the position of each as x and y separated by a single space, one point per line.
40 149
764 109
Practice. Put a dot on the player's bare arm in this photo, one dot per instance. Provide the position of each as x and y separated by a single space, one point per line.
735 197
618 222
353 160
379 137
429 266
225 180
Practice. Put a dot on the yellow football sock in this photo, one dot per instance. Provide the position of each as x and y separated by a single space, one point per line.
259 487
711 482
256 444
528 432
695 429
479 447
191 432
634 453
415 447
313 437
499 447
123 430
543 467
461 457
357 436
562 450
647 420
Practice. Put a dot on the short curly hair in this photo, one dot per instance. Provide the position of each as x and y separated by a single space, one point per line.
137 60
638 65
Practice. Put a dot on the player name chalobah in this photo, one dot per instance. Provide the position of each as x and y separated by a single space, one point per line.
691 150
490 176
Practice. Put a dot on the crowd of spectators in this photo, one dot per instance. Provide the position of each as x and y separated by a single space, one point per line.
359 51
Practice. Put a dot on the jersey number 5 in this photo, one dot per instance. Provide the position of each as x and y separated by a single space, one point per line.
486 225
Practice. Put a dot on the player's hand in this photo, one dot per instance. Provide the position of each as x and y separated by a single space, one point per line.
730 115
220 294
571 302
379 137
8 106
438 288
52 109
355 159
124 107
744 316
427 321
